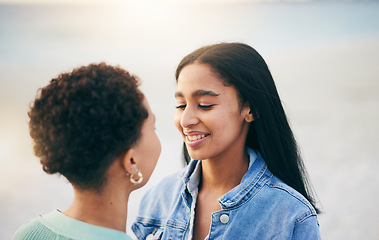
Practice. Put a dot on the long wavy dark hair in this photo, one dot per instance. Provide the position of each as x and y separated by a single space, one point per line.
242 67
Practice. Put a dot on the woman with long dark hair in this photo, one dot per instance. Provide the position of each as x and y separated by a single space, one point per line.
245 178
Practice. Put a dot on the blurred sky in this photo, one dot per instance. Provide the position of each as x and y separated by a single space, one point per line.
123 1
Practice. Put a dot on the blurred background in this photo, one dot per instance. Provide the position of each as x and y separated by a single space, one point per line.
323 55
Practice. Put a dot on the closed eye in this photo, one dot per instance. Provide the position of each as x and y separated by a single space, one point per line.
203 107
182 107
206 107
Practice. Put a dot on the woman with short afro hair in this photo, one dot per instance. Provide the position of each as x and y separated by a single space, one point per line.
93 126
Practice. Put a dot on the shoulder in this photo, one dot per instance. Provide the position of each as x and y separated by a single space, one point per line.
162 194
160 203
169 182
33 229
289 199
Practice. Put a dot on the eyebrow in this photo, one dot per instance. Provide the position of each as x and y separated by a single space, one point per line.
199 93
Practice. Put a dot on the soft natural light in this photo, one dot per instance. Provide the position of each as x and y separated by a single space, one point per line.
140 2
60 1
7 148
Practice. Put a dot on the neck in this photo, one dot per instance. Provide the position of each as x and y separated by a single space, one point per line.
222 174
106 209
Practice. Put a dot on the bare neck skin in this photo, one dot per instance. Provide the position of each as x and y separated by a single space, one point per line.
218 177
106 209
221 175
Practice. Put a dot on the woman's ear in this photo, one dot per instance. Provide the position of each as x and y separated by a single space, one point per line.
128 162
130 168
246 112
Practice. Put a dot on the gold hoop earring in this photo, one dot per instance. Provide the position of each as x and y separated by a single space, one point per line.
139 174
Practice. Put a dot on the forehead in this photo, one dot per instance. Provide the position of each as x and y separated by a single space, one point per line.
199 76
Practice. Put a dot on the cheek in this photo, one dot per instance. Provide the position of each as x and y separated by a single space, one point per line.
230 123
159 146
152 156
154 144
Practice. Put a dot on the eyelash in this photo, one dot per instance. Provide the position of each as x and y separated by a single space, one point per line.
203 107
181 107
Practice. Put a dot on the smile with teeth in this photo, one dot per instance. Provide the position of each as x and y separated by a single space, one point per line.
196 137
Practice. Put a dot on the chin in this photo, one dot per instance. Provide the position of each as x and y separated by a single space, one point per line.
196 155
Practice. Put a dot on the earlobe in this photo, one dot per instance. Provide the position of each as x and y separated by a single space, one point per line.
130 168
248 114
249 118
128 162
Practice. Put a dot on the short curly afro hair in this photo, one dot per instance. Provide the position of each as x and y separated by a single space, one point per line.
83 120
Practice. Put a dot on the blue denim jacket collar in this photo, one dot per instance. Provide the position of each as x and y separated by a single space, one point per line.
191 179
260 207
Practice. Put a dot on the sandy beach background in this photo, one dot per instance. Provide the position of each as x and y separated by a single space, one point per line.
324 57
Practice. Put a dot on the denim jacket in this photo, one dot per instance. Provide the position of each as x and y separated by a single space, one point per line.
260 207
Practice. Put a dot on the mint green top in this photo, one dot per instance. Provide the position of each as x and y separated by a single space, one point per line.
56 225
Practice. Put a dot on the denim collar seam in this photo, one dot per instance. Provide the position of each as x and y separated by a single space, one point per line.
183 195
311 210
152 221
250 190
176 224
306 215
246 197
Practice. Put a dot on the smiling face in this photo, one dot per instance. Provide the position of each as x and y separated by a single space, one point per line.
209 115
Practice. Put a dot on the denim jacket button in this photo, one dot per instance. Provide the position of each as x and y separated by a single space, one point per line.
224 218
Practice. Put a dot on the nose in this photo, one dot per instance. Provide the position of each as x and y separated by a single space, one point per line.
189 117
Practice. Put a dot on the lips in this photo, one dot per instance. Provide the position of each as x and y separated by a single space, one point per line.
194 139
